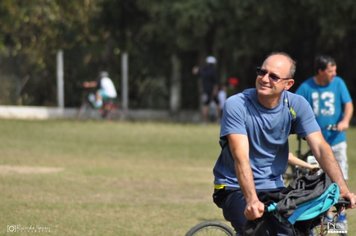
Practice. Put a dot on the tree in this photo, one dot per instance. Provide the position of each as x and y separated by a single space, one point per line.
31 34
93 34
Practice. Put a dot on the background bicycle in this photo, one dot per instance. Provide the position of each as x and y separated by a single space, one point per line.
295 170
305 154
109 109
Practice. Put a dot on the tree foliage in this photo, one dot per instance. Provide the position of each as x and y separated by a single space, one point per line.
94 33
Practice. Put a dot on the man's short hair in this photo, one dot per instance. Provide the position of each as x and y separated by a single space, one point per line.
322 61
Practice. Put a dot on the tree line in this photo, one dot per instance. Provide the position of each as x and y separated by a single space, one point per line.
164 40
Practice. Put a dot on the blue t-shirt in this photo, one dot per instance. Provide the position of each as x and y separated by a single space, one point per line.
327 103
267 131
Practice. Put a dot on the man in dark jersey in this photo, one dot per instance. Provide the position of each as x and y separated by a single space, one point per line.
209 86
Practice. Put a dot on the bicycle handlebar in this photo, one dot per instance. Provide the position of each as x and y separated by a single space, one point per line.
342 202
332 127
271 207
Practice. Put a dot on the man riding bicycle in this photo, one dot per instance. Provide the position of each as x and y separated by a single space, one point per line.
105 89
254 139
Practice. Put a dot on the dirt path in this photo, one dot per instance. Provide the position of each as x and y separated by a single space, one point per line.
8 169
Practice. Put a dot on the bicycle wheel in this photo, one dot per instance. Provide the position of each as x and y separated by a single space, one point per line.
210 228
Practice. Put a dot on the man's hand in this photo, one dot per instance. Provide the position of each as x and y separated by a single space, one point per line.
342 126
89 84
254 210
351 197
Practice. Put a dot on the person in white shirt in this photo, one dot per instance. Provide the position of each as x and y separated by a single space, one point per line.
105 90
222 95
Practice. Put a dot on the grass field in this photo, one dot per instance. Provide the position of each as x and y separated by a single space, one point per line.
111 178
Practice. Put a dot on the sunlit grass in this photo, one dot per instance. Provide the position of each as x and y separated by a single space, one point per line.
115 178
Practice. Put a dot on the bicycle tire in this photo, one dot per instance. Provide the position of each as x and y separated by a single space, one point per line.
211 228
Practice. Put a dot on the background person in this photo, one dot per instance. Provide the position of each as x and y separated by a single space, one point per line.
254 138
209 86
332 104
105 89
222 96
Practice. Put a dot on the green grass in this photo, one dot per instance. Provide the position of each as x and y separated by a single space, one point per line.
113 178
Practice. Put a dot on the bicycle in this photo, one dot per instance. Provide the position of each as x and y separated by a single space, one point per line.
307 156
293 171
317 226
87 109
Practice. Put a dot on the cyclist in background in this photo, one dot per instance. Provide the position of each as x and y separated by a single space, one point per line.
332 105
105 90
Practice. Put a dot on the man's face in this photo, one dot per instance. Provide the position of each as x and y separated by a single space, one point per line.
329 73
274 77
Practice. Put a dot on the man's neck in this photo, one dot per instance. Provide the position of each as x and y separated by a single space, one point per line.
320 80
269 102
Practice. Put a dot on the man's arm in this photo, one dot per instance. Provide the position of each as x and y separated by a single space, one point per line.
239 148
345 122
295 161
324 155
89 84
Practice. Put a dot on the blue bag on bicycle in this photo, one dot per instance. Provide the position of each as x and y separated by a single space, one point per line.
307 197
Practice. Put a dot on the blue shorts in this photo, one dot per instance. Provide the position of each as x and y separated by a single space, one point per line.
232 203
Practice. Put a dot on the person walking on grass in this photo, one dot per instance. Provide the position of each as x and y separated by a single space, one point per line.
208 76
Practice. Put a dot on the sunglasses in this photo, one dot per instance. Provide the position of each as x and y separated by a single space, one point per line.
272 76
